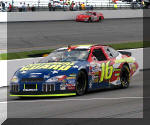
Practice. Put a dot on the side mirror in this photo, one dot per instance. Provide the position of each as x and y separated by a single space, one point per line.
44 55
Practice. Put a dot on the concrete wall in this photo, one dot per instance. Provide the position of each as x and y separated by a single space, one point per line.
3 16
8 68
66 15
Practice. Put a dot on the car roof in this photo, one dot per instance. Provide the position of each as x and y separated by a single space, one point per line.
90 12
88 46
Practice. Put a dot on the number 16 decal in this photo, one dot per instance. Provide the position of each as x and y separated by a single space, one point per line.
106 71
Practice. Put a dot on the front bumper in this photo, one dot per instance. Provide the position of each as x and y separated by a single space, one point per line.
43 94
41 90
81 20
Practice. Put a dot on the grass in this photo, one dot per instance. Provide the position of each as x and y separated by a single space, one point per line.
130 45
39 53
27 54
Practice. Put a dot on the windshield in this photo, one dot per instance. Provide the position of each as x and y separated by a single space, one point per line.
66 55
87 13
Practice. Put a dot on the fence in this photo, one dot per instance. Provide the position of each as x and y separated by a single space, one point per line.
104 4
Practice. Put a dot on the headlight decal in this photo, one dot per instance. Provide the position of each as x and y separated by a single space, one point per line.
14 79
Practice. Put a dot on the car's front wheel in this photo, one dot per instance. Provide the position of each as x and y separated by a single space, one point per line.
81 83
125 77
89 20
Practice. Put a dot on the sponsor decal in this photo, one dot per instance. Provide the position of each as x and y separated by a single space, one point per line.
46 76
96 79
70 86
117 74
128 59
53 65
55 72
71 81
116 69
62 87
64 81
30 90
100 72
73 77
33 75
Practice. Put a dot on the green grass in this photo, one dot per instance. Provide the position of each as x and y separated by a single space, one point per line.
20 55
39 53
130 45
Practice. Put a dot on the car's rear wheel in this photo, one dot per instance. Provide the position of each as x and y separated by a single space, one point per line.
81 83
100 19
125 76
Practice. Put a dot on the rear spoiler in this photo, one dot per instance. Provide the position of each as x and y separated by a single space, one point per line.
125 53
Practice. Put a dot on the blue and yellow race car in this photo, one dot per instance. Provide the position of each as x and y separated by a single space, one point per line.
74 70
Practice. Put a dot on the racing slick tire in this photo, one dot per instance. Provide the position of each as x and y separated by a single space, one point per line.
89 20
81 83
125 76
100 19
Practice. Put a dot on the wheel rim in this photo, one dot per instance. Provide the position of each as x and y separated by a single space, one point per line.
125 78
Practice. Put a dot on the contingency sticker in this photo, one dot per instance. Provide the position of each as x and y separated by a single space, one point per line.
53 65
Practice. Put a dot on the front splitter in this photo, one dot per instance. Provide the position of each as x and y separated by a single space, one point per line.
45 95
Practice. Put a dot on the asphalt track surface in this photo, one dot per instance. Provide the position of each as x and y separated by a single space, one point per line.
117 103
47 35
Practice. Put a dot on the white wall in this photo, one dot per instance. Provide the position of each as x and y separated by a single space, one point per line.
3 16
67 15
3 73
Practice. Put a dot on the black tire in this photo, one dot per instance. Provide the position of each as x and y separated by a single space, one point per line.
89 20
100 19
125 76
81 83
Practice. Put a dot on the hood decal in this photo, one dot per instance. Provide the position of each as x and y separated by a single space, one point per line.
53 65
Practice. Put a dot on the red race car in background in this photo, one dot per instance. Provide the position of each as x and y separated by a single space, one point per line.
90 17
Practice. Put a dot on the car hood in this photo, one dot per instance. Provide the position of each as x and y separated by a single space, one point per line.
47 70
83 16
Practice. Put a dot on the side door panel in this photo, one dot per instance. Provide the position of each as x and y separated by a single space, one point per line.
113 55
94 17
101 69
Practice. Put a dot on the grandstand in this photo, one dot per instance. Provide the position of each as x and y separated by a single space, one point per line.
107 3
44 3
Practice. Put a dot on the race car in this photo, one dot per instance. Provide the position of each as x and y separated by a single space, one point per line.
90 17
74 70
